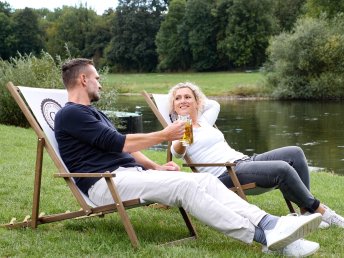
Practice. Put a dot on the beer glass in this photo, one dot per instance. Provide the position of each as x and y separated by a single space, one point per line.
188 135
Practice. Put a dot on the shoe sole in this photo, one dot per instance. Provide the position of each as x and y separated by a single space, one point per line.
301 232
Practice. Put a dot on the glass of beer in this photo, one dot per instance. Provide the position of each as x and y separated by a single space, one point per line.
188 135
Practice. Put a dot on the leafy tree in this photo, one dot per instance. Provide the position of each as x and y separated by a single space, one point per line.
317 7
134 28
5 8
6 28
71 29
245 31
287 12
308 63
171 40
98 38
27 34
201 27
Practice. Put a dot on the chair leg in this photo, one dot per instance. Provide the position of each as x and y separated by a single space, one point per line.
123 214
236 183
37 183
188 223
290 206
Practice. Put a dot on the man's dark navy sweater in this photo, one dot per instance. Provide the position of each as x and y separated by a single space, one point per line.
88 142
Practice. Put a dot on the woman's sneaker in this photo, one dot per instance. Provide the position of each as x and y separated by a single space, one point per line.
299 248
323 224
332 218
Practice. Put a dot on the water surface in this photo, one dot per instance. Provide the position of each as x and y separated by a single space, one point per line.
258 126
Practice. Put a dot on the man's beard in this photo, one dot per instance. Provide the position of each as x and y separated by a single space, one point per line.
95 98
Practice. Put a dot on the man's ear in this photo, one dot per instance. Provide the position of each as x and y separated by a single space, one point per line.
83 79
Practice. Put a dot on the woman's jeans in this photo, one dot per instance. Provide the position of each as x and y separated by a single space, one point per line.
285 168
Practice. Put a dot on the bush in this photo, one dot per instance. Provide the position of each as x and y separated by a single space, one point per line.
25 70
31 71
308 63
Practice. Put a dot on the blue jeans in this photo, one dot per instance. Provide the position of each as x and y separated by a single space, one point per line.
285 168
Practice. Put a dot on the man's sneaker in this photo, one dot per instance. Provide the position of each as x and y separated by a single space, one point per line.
323 224
299 248
332 218
291 228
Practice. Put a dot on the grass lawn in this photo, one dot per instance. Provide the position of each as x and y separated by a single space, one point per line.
215 84
105 237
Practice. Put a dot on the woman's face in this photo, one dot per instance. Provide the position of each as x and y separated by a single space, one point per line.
184 102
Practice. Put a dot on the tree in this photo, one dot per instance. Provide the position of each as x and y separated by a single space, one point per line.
134 28
287 12
27 34
245 31
6 27
5 8
201 27
99 37
71 29
315 8
172 41
308 63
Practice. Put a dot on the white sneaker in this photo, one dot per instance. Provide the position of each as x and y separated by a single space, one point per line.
291 228
323 224
332 218
298 248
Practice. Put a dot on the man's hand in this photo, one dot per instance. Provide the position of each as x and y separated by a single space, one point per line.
170 166
174 131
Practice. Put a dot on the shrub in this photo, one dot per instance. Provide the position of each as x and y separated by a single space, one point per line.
31 71
308 63
25 70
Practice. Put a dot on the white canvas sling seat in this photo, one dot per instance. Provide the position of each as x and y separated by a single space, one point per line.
39 107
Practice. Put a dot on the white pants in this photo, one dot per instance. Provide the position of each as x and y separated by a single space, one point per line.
200 194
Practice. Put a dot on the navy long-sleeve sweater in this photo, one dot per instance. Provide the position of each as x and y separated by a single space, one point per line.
88 142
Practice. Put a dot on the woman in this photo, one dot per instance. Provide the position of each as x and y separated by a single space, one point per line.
285 168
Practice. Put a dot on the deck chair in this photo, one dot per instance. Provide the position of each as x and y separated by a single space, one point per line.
39 107
159 105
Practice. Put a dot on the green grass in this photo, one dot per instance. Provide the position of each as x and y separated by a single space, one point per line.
106 237
215 84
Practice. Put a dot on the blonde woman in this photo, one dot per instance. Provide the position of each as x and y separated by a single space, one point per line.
285 167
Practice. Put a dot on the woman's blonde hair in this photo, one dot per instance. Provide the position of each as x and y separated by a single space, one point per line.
198 94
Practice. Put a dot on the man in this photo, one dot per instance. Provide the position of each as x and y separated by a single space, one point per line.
88 142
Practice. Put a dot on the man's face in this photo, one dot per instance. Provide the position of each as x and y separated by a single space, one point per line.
93 85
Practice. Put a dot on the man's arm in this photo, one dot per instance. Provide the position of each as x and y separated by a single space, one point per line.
140 141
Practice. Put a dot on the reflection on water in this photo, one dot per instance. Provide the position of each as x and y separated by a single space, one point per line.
258 126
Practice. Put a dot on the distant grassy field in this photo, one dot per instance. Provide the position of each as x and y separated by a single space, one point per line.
215 84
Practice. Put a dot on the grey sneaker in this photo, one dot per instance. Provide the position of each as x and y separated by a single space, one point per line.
332 218
323 224
299 248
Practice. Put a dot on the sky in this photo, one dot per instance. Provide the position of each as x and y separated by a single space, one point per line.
98 5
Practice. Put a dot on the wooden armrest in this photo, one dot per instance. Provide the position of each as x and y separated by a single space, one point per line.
105 174
227 164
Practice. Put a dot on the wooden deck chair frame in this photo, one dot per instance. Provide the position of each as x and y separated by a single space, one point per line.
241 190
87 209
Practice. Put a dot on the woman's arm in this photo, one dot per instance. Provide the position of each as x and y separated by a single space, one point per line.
210 111
177 149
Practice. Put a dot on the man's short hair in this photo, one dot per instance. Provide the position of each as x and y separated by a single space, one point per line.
72 68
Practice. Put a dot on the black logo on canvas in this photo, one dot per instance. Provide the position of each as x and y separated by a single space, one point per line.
49 109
